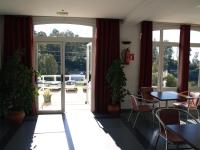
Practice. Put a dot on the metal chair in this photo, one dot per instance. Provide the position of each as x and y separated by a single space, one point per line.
170 116
145 93
189 104
139 105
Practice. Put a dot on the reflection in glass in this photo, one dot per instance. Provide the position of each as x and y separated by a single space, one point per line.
194 77
170 66
155 65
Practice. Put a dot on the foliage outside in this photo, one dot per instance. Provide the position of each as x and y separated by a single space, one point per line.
116 79
170 70
49 54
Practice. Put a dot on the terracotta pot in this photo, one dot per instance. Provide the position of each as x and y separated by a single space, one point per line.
47 99
114 110
15 117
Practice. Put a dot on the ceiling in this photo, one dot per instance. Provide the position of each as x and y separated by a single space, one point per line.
132 11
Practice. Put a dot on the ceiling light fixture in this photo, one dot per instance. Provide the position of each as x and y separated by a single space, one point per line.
62 13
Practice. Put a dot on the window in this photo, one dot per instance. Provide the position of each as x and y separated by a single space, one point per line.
63 30
194 76
165 58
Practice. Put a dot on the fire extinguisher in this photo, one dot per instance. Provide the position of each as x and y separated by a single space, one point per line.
128 56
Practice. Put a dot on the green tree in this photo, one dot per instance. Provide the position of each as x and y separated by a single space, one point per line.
47 64
171 80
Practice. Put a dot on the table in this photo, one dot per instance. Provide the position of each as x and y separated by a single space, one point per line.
167 96
190 133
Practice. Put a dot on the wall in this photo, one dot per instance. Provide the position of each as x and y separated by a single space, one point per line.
130 32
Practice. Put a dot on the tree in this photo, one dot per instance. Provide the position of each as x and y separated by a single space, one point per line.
170 80
47 64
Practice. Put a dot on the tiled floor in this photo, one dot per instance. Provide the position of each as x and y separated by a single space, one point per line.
79 129
76 130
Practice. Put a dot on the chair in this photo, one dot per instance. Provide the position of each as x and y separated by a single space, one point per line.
139 105
145 93
189 104
170 116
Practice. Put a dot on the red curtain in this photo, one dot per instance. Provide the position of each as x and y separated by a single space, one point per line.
18 37
107 49
145 75
184 52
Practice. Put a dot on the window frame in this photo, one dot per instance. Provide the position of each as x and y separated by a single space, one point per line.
162 45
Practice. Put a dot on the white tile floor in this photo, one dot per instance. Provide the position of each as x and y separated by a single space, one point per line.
78 130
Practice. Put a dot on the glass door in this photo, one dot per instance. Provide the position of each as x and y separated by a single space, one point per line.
49 81
77 74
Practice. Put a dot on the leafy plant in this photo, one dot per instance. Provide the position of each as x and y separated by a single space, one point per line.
116 79
17 91
47 92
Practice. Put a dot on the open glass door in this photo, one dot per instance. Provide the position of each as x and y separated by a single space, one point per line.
49 82
77 75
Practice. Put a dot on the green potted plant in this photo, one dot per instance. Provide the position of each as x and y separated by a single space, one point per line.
17 91
116 80
47 96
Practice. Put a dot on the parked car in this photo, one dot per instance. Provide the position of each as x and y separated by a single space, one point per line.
70 85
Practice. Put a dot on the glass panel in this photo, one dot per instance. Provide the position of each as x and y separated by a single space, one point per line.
171 35
194 36
194 77
49 83
63 30
170 66
76 73
156 35
155 66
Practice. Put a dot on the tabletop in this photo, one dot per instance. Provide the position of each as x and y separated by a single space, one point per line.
166 95
190 133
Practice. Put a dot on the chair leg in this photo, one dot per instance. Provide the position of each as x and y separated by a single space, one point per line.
157 141
129 117
137 115
197 113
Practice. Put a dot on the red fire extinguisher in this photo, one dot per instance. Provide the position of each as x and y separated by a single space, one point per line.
128 56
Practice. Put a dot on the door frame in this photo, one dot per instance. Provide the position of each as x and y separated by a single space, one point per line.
61 41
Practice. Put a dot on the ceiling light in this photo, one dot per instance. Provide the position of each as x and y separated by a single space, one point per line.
62 13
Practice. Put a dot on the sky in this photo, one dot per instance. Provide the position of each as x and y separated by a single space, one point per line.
173 36
81 30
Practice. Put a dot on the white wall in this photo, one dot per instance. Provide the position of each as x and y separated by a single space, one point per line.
129 32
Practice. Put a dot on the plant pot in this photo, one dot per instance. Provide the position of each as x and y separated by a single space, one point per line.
114 110
47 99
15 117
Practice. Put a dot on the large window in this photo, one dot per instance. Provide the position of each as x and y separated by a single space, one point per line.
165 58
194 76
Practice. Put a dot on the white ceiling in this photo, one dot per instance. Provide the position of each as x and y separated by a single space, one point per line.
179 11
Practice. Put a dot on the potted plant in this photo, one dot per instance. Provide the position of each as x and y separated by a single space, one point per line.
17 91
116 80
47 96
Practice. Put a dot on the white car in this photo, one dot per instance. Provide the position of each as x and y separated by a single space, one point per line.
70 85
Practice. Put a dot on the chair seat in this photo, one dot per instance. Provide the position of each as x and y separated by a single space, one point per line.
184 104
145 108
173 138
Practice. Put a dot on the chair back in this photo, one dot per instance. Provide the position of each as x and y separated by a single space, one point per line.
145 92
134 103
169 116
195 101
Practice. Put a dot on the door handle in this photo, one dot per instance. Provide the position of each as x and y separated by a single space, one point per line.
61 78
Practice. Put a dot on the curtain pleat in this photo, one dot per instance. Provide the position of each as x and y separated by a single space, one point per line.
107 49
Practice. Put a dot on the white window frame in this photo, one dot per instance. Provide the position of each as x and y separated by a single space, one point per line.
161 44
63 40
196 45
